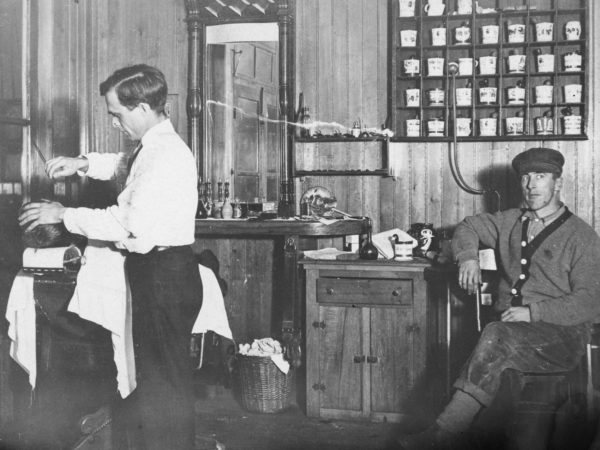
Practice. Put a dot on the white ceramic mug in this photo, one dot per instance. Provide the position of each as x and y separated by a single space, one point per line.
435 127
464 6
434 8
572 124
572 62
545 63
516 63
438 36
435 67
462 35
544 94
487 65
572 93
488 95
436 97
544 31
544 125
412 66
413 127
463 126
573 30
488 126
514 125
516 95
489 34
408 38
516 32
407 8
464 96
465 66
413 97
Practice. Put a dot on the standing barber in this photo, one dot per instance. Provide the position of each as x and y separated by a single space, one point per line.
549 293
153 221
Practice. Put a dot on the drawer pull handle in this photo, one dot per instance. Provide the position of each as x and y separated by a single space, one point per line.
397 292
318 387
372 359
330 291
359 359
316 324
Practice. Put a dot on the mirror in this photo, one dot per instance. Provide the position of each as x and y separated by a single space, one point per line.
238 97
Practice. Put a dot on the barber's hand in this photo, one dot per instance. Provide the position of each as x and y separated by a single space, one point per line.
469 275
64 166
517 314
34 214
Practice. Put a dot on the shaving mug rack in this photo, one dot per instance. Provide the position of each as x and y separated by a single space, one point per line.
520 70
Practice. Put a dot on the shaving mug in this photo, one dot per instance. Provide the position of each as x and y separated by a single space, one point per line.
435 127
543 31
412 66
435 67
438 36
514 125
516 95
543 94
545 63
544 125
408 38
464 6
572 93
464 96
572 124
463 126
462 35
487 65
413 127
434 8
489 34
573 30
465 66
488 126
407 8
516 32
413 97
516 63
572 62
488 95
436 97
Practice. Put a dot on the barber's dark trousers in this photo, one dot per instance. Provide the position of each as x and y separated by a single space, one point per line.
526 347
166 298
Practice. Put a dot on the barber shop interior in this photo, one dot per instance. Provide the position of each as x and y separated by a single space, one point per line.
299 224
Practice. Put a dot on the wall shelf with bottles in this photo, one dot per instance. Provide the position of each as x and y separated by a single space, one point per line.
488 70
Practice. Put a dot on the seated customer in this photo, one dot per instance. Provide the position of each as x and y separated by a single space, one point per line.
549 293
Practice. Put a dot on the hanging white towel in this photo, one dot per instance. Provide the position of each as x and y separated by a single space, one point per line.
102 296
213 315
20 313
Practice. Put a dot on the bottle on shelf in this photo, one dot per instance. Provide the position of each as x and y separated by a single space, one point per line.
368 250
306 123
219 203
227 208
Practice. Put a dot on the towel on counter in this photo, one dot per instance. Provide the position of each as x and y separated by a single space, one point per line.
212 314
102 296
20 313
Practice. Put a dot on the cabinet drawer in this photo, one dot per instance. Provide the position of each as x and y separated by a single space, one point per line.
375 291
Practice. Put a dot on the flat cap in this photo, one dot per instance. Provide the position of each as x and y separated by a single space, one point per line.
539 159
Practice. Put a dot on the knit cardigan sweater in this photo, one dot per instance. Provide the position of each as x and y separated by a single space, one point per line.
563 287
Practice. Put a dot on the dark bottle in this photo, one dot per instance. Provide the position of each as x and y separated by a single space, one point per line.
306 123
368 250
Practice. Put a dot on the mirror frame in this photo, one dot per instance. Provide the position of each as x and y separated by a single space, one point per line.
203 13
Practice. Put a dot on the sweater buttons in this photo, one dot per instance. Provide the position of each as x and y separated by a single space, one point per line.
513 291
523 261
522 276
523 243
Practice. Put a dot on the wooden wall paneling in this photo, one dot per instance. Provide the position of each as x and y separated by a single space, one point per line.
593 112
436 161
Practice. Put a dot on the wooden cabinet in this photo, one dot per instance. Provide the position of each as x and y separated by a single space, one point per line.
502 72
370 327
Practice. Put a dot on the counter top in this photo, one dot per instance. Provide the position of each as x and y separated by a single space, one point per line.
279 227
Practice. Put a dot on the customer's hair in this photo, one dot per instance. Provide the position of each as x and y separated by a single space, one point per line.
138 84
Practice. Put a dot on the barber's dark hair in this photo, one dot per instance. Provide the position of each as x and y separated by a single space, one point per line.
138 84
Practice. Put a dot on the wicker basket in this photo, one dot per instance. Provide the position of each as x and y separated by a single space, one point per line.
263 387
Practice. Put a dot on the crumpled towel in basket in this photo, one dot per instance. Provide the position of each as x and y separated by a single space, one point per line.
266 347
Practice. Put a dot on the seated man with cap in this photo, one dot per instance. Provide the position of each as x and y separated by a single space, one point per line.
548 296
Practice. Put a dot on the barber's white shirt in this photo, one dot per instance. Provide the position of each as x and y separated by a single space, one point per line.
159 201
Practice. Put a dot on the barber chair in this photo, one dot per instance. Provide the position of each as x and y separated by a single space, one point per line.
76 372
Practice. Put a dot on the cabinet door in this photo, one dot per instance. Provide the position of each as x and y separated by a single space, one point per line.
341 361
391 359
